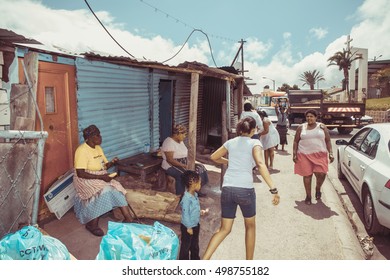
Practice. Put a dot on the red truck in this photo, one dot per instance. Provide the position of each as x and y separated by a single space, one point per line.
332 113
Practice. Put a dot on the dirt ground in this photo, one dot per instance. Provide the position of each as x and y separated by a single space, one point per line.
210 222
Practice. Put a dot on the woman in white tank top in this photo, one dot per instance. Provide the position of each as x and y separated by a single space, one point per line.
311 150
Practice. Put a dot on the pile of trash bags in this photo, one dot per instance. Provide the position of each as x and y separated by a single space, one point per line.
29 243
131 241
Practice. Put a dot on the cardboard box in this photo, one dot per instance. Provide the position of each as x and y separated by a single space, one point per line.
60 197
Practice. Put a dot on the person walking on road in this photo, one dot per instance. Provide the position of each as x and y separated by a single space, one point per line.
249 111
281 126
269 138
237 187
311 150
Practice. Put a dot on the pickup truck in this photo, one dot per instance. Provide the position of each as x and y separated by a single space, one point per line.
343 116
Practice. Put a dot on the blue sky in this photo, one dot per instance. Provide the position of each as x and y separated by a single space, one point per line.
283 38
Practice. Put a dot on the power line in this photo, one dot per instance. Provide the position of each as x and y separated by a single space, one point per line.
184 23
86 2
192 32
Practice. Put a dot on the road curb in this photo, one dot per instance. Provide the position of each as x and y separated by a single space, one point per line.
355 247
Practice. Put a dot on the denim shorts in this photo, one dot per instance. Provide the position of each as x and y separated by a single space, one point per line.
231 197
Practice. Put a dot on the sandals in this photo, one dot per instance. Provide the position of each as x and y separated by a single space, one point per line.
308 200
318 195
95 231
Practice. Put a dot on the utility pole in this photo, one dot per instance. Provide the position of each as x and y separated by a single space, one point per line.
348 43
240 50
242 71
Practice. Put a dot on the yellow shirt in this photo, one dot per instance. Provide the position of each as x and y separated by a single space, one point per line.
89 158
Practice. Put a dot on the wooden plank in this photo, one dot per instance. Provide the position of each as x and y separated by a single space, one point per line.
18 103
31 64
142 164
22 123
193 120
153 205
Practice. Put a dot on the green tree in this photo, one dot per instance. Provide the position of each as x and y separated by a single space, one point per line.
381 78
310 78
343 59
286 87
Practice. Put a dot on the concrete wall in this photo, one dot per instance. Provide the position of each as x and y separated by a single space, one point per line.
379 116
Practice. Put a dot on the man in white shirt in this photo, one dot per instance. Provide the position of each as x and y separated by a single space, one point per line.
249 111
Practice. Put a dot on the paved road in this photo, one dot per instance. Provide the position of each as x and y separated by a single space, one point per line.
293 230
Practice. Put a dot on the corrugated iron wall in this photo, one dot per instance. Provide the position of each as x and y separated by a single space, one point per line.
116 99
233 108
157 76
182 93
214 93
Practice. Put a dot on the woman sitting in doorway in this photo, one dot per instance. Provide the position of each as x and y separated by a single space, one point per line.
174 154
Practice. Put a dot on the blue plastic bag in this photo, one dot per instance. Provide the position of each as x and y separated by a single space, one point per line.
29 243
129 241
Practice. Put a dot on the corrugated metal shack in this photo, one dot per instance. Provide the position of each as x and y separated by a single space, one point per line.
132 102
127 99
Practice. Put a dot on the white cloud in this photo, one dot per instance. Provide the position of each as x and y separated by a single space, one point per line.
372 31
256 50
319 33
78 31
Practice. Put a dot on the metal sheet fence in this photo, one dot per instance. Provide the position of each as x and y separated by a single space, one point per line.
21 154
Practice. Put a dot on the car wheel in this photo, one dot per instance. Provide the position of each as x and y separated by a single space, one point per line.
340 173
371 222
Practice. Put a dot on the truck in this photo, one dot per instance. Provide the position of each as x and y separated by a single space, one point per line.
335 115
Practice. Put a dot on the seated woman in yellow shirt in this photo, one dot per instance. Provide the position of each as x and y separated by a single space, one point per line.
97 192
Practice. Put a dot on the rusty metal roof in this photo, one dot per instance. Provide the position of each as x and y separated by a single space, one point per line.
186 67
8 37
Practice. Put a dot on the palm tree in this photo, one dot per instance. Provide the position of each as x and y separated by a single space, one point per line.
310 78
343 59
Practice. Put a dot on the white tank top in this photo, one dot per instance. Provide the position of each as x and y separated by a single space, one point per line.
312 140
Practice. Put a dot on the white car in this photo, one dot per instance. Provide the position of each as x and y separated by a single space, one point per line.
364 161
271 113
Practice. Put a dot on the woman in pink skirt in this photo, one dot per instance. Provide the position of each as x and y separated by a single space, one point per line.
311 150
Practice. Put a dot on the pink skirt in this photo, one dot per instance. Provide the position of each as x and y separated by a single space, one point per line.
307 164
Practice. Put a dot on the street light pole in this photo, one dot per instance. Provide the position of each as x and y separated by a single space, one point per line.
273 81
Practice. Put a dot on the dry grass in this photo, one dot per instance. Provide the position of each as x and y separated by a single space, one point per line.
378 104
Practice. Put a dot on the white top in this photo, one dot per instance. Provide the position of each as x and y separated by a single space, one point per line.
241 162
179 151
272 138
312 140
259 122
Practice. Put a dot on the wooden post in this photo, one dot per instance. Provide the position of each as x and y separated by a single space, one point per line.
240 88
31 64
224 137
193 120
19 97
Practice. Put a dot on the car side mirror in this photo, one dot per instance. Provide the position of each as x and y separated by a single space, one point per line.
341 142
